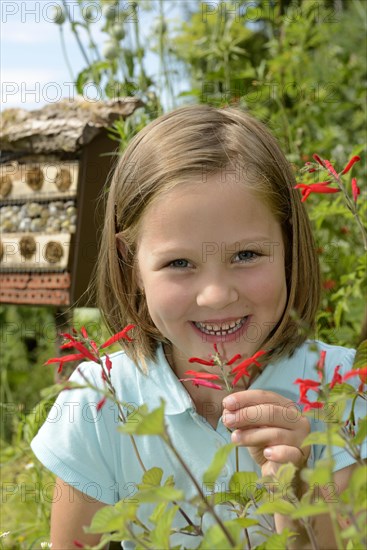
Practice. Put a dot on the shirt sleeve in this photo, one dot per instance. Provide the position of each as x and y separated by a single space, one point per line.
76 440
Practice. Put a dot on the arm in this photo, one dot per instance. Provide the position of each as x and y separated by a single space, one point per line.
71 511
322 525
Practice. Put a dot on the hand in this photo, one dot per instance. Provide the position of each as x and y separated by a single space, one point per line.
270 425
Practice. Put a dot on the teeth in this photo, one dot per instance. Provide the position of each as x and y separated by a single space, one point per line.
223 328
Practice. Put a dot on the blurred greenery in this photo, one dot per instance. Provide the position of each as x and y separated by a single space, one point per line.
299 66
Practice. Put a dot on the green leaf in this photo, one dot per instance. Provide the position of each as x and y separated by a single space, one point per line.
159 494
286 473
278 541
320 474
277 507
223 497
360 359
142 422
362 431
170 481
158 512
160 536
218 463
151 478
215 539
321 438
358 479
244 486
53 391
112 518
307 510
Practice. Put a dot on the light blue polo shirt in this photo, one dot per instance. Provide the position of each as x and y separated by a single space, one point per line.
84 448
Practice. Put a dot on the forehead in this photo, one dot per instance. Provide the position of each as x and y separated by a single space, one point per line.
211 210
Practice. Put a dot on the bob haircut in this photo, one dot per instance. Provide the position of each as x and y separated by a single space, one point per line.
188 144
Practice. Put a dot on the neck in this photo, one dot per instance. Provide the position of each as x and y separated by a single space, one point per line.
208 401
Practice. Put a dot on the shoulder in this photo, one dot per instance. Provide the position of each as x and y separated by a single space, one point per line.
132 385
280 375
333 356
125 374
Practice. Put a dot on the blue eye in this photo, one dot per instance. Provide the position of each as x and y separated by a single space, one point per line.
179 263
247 255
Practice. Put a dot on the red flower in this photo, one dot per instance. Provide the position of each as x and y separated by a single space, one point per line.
318 159
119 336
320 364
305 386
241 369
320 187
352 161
362 373
337 378
321 361
64 359
330 168
199 382
329 284
80 347
216 360
326 164
108 363
101 403
355 189
203 375
234 359
209 363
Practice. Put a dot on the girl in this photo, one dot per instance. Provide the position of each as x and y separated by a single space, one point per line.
205 241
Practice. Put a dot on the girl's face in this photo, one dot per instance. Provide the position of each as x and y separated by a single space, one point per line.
211 261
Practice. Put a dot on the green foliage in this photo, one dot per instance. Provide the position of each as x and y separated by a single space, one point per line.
27 340
143 422
218 463
300 67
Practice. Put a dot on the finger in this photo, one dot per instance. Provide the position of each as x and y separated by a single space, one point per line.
268 414
281 454
266 437
249 398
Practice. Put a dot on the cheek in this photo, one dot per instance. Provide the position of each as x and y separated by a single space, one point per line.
268 286
165 300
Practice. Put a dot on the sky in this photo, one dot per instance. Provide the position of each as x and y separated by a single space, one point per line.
32 66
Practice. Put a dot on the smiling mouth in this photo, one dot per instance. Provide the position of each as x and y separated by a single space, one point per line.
221 329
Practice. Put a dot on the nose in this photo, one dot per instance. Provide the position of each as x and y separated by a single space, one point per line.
216 294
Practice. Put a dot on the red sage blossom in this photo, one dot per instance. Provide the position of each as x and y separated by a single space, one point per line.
205 379
304 386
320 187
355 189
351 163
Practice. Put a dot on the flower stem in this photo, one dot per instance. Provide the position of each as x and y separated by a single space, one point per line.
75 32
352 206
209 507
332 513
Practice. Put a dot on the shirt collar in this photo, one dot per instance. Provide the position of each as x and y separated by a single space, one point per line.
167 386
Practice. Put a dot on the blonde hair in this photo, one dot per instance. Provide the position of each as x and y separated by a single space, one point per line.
188 142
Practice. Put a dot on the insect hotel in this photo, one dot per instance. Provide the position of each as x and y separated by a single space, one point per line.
54 163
